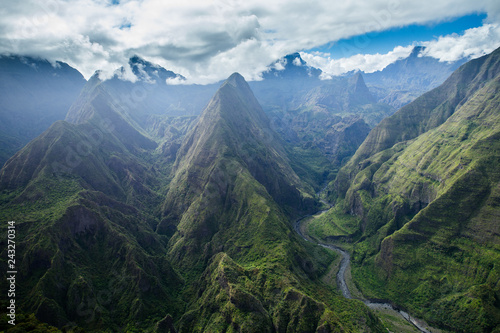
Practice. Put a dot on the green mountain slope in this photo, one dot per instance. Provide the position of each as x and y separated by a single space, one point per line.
84 203
425 184
113 234
234 127
431 109
228 209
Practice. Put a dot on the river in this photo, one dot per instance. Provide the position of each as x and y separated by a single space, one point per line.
341 282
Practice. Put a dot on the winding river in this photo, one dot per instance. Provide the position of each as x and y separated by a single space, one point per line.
341 282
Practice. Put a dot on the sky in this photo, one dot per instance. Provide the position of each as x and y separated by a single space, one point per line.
207 40
384 41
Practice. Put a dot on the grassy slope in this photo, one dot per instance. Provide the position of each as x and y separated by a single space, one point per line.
443 262
232 240
91 256
85 211
425 113
261 276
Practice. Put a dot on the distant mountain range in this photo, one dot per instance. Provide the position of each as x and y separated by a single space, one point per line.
34 94
316 114
37 93
404 80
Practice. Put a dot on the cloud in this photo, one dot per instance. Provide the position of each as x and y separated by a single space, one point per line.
206 40
472 43
367 63
297 62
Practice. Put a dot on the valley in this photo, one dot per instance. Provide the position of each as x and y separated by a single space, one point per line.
391 315
286 204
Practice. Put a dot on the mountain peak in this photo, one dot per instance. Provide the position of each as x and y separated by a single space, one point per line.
236 103
236 79
237 82
291 66
294 59
148 72
359 90
417 50
357 77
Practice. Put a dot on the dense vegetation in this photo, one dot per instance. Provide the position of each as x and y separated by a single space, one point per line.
425 186
136 214
119 236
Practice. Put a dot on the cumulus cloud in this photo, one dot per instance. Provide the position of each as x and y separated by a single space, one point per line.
367 63
472 43
205 40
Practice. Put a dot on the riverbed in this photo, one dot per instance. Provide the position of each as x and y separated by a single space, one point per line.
383 309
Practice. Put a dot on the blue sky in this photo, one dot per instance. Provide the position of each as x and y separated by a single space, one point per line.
446 39
385 41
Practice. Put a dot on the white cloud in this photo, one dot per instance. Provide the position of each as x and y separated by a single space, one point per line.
206 40
472 43
125 73
297 62
175 81
365 62
280 64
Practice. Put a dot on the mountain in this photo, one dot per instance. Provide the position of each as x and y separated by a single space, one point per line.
404 80
83 195
113 234
291 66
228 209
425 186
330 116
34 94
147 72
234 127
151 105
